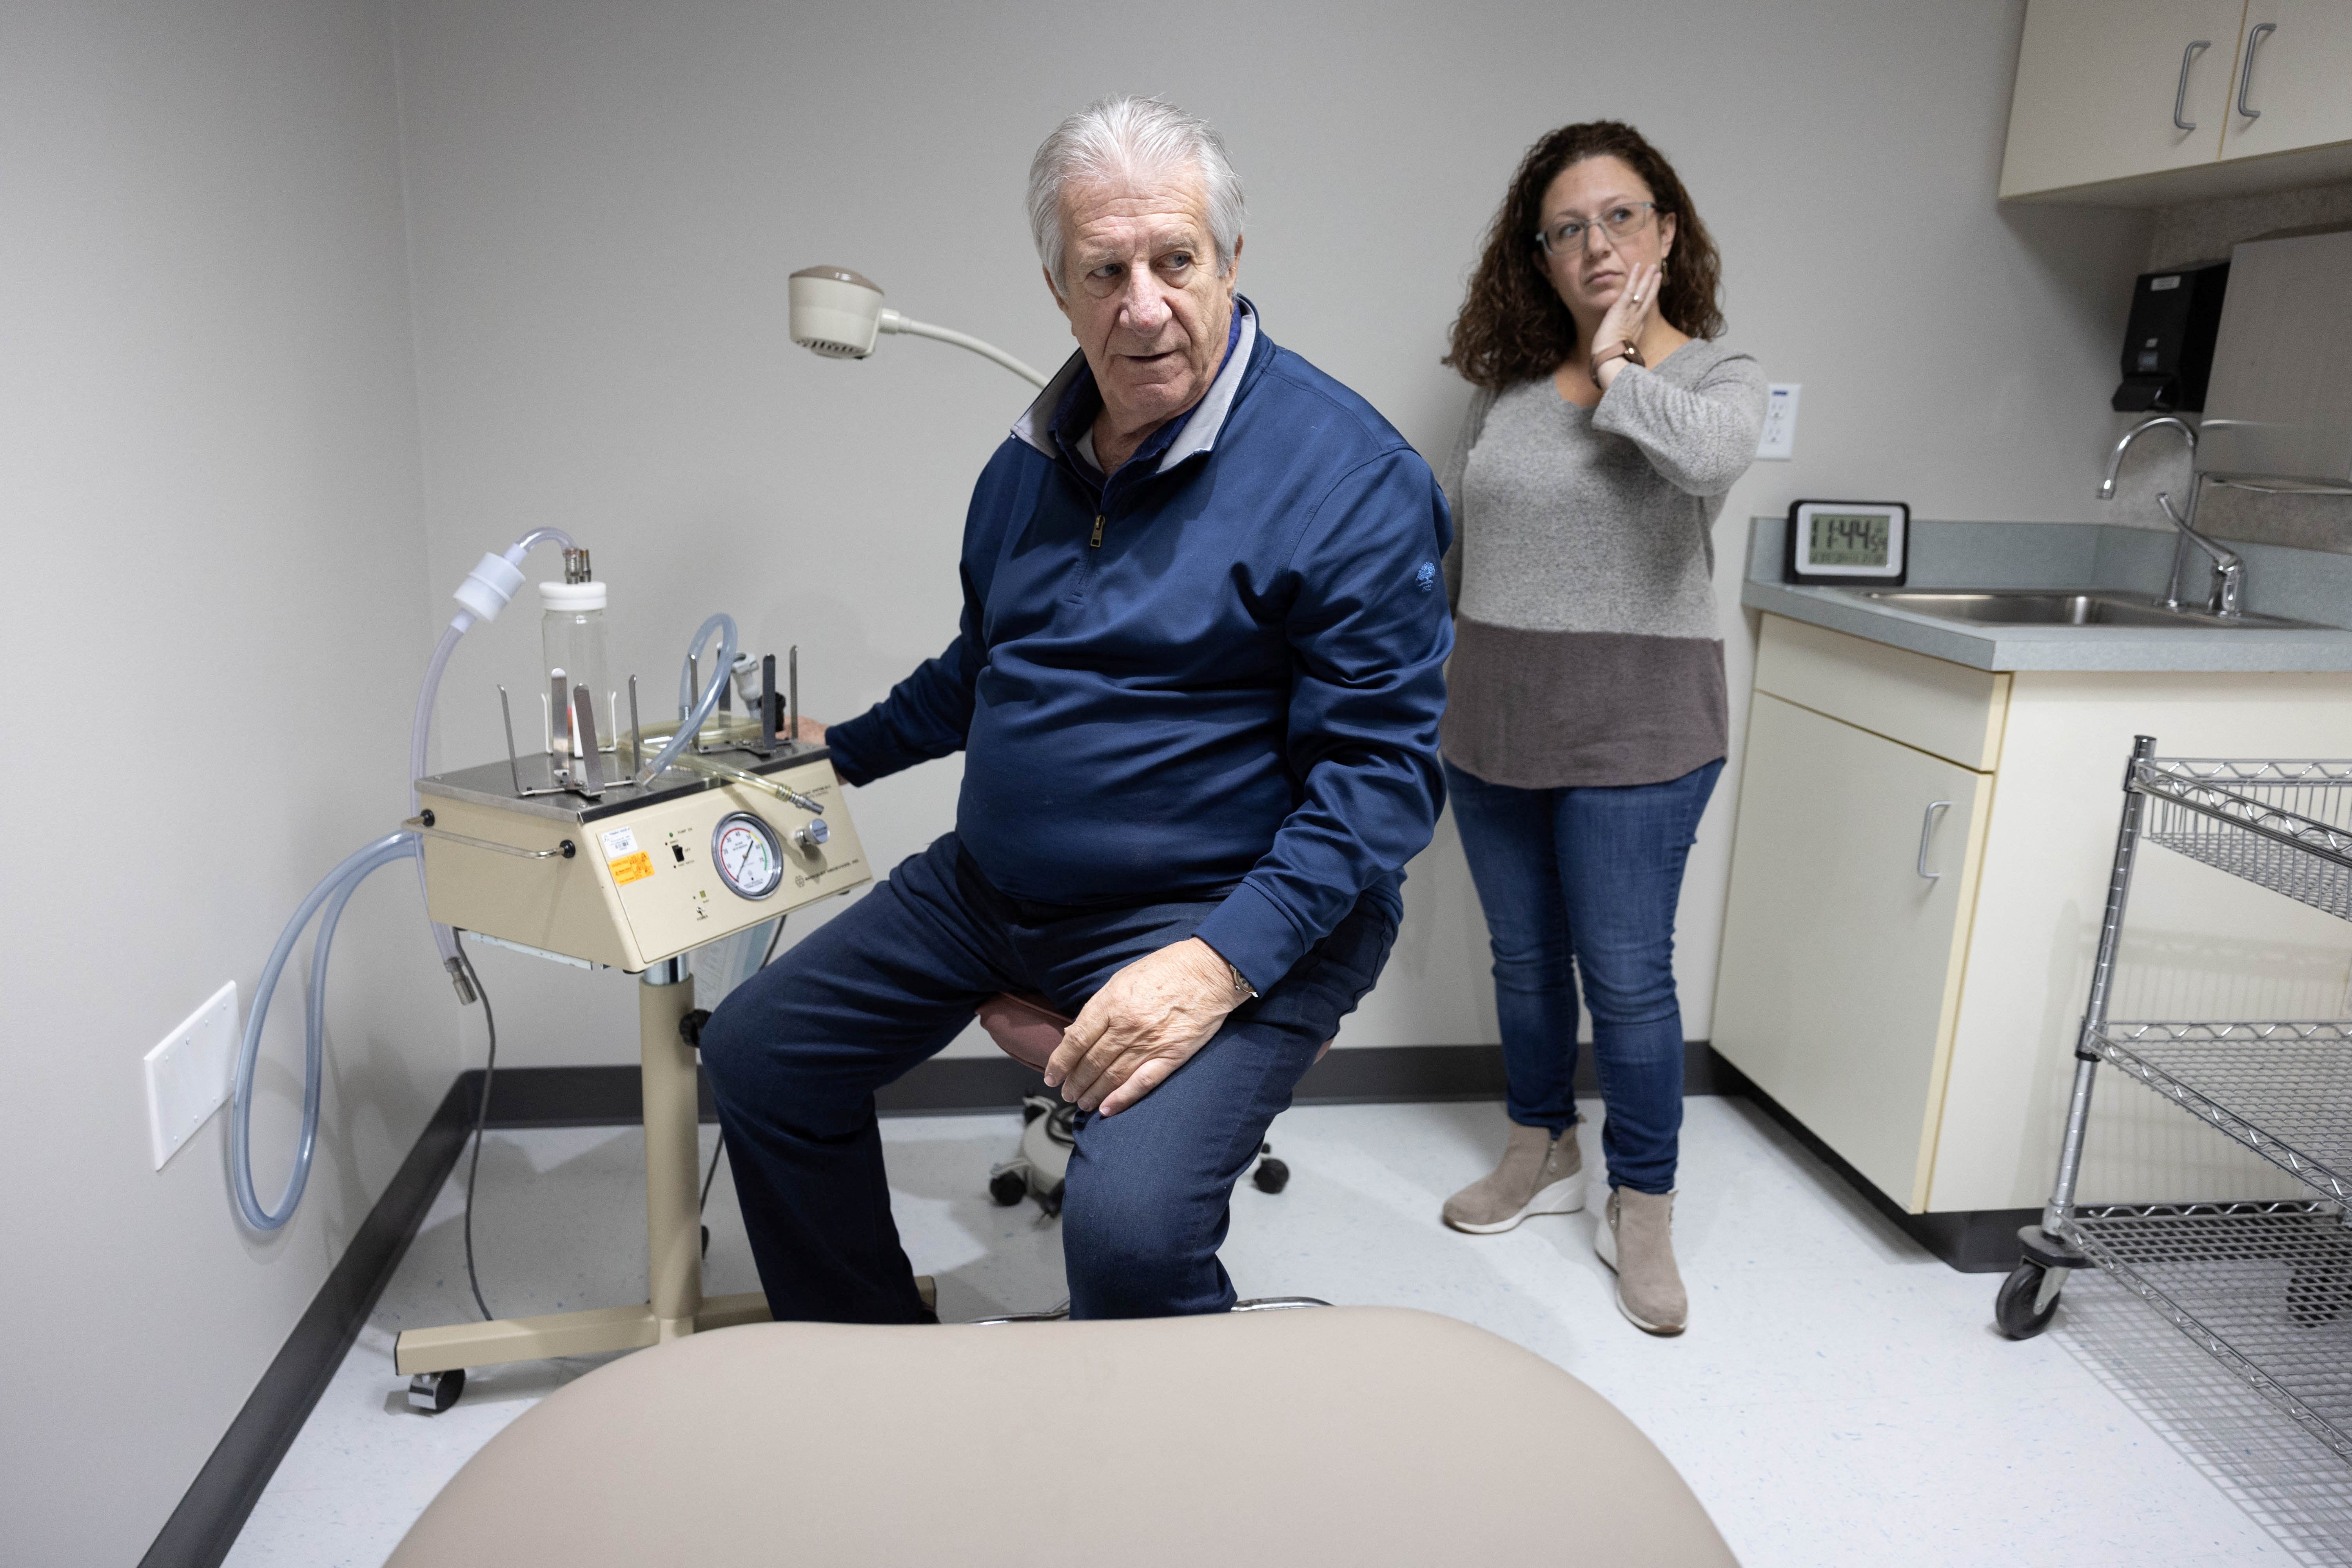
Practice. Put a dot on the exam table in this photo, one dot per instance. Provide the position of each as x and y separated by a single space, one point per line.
1365 1435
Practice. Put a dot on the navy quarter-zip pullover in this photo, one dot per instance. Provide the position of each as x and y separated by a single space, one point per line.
1216 675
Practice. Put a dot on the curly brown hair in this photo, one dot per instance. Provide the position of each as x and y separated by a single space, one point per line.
1512 326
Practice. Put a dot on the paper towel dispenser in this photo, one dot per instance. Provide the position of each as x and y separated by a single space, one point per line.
2169 342
2278 408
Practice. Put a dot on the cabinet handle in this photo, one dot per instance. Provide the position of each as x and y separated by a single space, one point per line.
2246 77
1926 830
2181 93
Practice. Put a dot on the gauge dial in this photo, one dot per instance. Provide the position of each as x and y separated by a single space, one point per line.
749 860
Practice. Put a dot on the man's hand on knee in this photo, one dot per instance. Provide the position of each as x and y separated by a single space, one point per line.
1144 1024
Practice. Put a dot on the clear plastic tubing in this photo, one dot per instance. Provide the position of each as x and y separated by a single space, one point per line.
485 592
420 729
464 620
331 894
693 717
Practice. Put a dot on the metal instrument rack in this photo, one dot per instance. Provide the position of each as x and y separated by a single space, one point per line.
2264 1288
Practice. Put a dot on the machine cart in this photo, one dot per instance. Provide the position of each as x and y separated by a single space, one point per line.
2265 1288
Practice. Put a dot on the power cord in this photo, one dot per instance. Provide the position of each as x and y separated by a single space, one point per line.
719 1153
482 1116
710 1176
481 1119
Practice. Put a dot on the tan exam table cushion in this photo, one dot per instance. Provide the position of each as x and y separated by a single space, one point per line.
1357 1435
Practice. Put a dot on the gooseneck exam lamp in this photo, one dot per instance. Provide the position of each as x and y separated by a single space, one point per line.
837 313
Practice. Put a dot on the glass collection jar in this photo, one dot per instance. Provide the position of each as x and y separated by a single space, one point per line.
572 641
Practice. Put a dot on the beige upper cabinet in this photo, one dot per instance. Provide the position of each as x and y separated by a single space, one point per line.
2293 86
2099 83
2107 92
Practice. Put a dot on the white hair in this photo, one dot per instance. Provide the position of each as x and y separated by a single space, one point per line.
1120 137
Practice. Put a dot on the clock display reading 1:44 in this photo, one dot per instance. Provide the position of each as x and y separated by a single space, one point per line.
1850 539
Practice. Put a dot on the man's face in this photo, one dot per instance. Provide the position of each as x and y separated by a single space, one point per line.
1144 299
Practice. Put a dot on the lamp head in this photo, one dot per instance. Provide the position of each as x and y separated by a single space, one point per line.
834 312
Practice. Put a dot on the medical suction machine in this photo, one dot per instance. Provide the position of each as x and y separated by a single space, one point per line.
615 842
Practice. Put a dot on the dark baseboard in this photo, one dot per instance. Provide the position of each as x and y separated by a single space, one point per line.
205 1525
608 1096
1373 1074
1973 1241
574 1096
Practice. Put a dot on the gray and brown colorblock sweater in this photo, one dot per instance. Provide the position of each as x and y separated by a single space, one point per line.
1586 645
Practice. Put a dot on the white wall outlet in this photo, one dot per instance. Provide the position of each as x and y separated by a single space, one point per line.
188 1075
1780 440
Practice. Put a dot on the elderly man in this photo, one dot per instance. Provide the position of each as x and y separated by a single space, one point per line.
1196 687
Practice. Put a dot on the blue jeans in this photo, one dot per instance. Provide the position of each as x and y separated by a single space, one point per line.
1587 879
797 1052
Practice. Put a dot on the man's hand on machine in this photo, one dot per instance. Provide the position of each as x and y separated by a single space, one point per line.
1144 1024
810 731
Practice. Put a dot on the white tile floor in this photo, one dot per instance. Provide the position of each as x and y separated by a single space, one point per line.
1841 1397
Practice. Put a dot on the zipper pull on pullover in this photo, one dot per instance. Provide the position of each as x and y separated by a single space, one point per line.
1095 542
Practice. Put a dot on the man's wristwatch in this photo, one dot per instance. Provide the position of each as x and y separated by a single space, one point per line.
1628 352
1242 987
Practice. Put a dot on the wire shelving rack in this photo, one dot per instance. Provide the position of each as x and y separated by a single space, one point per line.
2264 1288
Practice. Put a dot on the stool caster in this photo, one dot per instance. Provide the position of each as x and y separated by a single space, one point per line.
433 1391
1008 1187
1272 1175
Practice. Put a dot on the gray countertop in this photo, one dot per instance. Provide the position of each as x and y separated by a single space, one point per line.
2300 585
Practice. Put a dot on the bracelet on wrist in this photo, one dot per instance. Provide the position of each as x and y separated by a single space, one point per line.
1630 353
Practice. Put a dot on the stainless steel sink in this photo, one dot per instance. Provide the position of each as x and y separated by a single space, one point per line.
2035 608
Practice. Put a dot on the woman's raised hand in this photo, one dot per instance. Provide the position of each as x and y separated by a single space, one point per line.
1627 317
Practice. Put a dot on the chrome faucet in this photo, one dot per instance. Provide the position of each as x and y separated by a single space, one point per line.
2229 570
2227 599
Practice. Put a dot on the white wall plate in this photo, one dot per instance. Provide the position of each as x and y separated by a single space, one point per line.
1779 443
188 1074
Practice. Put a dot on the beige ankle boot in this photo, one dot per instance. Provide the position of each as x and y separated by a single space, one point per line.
1636 1237
1540 1175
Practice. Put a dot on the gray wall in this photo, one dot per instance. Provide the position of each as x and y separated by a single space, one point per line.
258 428
606 198
210 503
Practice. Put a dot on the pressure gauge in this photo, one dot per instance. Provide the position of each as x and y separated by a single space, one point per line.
749 860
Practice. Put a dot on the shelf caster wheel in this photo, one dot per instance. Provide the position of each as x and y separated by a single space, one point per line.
1008 1187
433 1391
2028 1300
1271 1176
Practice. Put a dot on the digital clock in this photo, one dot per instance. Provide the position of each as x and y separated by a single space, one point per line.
1847 542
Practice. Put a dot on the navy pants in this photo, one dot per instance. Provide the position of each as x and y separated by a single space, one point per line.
796 1053
1587 879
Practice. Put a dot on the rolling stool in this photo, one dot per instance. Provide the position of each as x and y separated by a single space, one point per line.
1377 1436
1027 1028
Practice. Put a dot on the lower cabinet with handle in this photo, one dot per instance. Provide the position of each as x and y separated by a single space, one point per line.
1920 861
1847 933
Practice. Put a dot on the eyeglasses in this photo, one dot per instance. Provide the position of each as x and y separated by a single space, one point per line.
1623 221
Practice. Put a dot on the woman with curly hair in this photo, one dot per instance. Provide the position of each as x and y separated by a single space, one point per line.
1586 720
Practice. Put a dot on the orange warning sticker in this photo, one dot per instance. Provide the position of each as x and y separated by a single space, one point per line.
631 868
